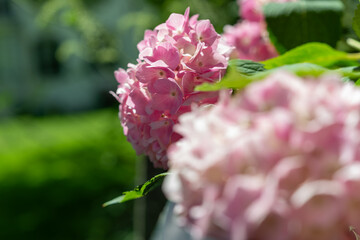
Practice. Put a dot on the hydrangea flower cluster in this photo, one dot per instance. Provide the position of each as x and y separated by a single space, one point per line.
250 37
250 40
175 57
280 161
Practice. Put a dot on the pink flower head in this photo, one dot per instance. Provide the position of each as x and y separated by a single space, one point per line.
249 37
251 41
281 160
174 58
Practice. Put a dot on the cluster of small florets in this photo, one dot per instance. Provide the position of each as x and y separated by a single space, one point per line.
173 59
250 37
279 161
250 40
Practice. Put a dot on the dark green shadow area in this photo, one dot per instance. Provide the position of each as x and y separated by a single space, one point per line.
56 172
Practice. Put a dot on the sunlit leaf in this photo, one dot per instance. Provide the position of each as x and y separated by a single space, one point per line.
352 73
139 191
238 80
317 53
246 67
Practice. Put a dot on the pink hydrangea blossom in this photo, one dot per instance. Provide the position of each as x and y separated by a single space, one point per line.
251 41
281 160
175 57
249 37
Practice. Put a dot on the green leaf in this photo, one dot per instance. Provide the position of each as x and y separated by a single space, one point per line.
238 69
352 73
356 21
303 69
232 80
139 191
246 67
238 80
311 59
316 53
294 23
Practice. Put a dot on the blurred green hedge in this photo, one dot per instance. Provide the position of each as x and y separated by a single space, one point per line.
55 173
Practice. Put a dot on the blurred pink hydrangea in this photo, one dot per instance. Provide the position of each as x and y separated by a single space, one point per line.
279 161
250 40
250 37
175 57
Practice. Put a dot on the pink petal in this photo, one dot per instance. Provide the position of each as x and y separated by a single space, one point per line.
176 22
147 73
161 131
166 95
205 32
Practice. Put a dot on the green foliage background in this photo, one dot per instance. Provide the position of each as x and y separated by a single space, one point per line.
56 172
